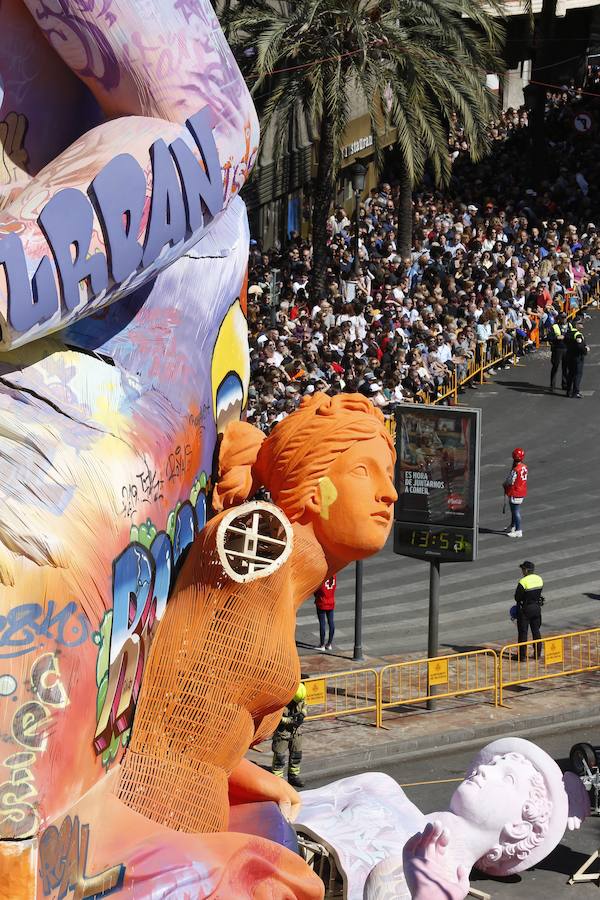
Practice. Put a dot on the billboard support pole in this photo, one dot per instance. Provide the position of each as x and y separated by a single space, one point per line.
358 608
434 616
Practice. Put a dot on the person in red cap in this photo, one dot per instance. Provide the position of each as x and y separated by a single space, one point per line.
515 488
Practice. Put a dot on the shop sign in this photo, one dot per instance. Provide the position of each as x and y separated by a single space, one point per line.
357 145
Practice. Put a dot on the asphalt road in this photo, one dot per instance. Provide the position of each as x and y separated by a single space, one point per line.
560 523
548 881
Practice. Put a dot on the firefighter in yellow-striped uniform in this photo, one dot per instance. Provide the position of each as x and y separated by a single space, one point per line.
529 600
288 739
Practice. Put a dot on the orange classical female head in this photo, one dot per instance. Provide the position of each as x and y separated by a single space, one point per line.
329 464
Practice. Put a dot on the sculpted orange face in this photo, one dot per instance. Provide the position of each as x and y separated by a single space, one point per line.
355 501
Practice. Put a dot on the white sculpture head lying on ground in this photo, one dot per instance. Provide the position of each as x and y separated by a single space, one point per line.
507 815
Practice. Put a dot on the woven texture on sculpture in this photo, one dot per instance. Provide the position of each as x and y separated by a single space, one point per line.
223 657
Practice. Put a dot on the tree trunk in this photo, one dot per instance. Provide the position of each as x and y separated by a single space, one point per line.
323 195
405 214
542 71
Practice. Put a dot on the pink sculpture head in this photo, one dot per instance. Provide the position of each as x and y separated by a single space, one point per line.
515 789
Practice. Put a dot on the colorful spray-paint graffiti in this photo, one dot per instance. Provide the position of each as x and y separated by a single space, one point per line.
62 864
142 581
29 730
126 133
26 628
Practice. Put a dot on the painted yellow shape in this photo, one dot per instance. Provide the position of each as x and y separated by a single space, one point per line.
328 492
230 353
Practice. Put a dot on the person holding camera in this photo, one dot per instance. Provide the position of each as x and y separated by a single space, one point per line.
288 739
529 601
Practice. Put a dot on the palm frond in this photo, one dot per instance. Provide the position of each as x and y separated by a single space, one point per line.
429 57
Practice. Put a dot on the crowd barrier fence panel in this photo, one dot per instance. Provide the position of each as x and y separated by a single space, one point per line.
561 654
413 682
348 693
455 675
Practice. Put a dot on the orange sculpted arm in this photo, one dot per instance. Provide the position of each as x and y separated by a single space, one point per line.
266 727
249 783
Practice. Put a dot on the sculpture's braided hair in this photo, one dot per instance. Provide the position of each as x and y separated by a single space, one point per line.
296 454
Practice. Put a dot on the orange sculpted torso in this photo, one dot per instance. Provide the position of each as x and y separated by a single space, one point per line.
224 658
223 663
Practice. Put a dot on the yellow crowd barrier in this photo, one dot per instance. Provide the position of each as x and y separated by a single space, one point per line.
455 675
551 657
415 681
342 694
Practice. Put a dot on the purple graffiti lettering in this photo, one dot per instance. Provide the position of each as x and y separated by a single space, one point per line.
61 26
191 8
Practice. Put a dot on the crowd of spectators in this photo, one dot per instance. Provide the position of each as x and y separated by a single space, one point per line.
487 254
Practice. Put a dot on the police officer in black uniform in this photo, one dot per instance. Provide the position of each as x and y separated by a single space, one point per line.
575 353
529 600
558 347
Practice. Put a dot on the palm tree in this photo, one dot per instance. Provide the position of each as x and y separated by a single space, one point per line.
414 62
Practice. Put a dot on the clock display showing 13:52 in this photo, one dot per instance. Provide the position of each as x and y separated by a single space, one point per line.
441 540
451 544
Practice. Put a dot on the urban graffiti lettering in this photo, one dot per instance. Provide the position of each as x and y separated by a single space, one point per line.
185 194
63 860
29 728
27 627
17 793
178 462
142 581
150 485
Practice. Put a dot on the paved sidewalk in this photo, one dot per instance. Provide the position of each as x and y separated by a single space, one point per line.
333 747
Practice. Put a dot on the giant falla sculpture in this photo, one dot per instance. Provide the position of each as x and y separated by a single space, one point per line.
144 649
127 132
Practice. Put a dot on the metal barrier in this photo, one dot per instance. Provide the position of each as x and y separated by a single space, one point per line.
411 682
455 675
342 694
561 654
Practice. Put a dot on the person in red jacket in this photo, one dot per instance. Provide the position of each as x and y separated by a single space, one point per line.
515 488
325 603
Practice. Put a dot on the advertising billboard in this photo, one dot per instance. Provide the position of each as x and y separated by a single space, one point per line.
437 479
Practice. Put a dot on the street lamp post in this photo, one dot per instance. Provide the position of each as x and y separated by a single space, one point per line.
357 175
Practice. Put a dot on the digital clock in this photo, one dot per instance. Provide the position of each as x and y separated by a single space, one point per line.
445 543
